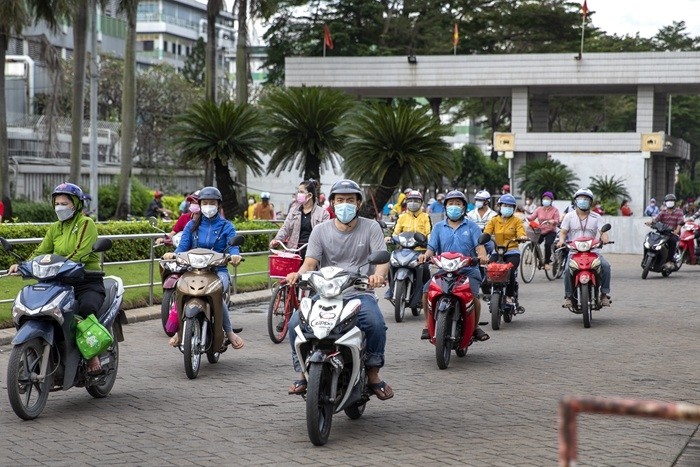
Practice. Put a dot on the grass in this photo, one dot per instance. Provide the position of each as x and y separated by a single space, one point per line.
132 274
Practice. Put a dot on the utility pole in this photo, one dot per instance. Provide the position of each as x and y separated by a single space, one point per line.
94 187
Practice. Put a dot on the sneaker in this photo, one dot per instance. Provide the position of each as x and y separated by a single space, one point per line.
605 301
567 303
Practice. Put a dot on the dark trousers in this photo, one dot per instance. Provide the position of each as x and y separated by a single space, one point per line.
548 241
90 295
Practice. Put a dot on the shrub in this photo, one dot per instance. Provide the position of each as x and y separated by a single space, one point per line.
109 196
29 211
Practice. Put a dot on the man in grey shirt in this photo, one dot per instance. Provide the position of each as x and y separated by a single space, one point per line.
346 242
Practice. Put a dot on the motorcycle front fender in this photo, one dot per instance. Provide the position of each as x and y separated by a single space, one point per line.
194 306
34 328
403 274
170 281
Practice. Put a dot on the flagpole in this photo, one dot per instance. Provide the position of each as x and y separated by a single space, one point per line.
583 32
324 46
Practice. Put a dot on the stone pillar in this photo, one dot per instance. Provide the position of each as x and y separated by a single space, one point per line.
645 109
519 114
539 110
660 121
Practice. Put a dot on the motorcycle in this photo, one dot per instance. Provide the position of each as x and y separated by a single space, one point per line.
497 278
331 347
451 306
170 272
656 255
199 299
688 247
45 356
404 267
586 271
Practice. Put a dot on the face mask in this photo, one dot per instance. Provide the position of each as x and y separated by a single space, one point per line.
194 208
454 213
251 202
670 204
583 204
413 206
546 202
507 211
345 212
64 212
209 210
479 204
527 202
301 198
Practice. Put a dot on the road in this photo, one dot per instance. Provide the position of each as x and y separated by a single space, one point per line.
495 407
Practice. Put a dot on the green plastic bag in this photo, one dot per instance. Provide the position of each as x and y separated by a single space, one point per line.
91 337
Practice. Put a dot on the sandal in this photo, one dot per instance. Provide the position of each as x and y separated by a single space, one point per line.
174 341
298 387
94 370
382 390
480 335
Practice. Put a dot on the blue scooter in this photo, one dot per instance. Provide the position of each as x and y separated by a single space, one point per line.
405 278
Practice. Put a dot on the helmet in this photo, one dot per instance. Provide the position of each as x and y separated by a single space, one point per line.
507 199
505 188
345 187
66 188
158 194
264 195
209 192
455 194
440 196
670 197
548 194
193 197
482 195
584 192
407 191
414 194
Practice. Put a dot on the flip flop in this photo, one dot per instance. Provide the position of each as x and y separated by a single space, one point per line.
480 335
382 390
298 387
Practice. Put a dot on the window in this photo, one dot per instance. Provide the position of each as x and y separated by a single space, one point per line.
165 45
147 46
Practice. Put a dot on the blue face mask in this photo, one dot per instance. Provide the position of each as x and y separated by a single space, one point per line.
345 212
507 211
546 202
583 204
454 213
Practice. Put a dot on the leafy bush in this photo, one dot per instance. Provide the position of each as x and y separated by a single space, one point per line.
29 211
109 196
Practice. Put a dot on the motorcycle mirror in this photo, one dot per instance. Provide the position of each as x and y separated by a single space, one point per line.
7 246
379 257
153 222
238 240
605 228
484 239
102 244
420 238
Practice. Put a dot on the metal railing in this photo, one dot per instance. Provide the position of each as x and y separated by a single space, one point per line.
153 259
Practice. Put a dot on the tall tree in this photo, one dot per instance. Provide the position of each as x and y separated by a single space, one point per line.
193 70
80 33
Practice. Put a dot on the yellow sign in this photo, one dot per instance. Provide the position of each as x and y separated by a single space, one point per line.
504 141
653 142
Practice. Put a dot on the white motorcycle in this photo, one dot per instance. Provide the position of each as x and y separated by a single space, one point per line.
331 347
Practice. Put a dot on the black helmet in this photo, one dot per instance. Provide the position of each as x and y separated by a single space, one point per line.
454 194
345 187
670 197
210 192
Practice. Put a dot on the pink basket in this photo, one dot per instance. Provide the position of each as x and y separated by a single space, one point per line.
498 272
283 263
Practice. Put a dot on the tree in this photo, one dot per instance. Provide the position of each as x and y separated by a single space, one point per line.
222 134
193 71
302 126
547 175
80 33
387 147
609 191
474 169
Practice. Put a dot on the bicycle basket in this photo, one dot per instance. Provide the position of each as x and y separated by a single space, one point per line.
533 231
498 272
283 263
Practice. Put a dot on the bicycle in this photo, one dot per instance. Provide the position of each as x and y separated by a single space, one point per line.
532 256
285 297
559 256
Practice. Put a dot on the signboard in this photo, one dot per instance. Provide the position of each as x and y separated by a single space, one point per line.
653 142
504 141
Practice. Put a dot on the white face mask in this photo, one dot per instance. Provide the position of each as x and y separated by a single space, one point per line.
64 212
479 204
209 210
413 206
546 202
670 204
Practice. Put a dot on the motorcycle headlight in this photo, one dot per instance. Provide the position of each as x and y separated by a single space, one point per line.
413 263
450 265
584 246
393 261
658 246
45 271
328 288
199 261
647 245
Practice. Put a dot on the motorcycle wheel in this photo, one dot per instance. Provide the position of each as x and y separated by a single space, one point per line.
528 263
319 411
168 298
679 258
192 339
584 301
443 343
647 267
98 391
400 302
213 355
462 352
495 308
415 311
276 314
27 398
355 411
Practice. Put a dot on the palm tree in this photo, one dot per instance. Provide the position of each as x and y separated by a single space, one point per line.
223 133
609 189
547 175
302 125
388 147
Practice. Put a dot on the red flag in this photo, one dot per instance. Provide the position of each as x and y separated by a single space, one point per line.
584 9
455 36
327 40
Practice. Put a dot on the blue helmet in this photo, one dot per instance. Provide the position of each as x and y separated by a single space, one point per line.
72 190
507 199
454 194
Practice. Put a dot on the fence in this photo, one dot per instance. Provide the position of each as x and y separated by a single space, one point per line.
153 259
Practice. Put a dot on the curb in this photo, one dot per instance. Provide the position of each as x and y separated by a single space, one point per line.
147 313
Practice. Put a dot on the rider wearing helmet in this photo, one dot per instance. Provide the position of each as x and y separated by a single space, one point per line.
347 242
507 229
212 231
72 236
673 218
155 207
481 213
548 218
582 222
264 210
400 206
457 234
191 213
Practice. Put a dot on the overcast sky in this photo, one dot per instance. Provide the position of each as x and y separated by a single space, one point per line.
644 16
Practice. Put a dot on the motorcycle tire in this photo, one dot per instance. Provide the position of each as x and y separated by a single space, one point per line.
443 342
507 317
462 352
213 355
528 262
584 301
27 399
495 308
647 267
354 412
276 314
400 301
168 298
415 311
98 391
319 411
191 341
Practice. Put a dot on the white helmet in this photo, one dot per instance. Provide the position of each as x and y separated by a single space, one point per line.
483 195
584 192
264 195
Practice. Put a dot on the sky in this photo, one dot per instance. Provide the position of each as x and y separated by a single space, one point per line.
644 16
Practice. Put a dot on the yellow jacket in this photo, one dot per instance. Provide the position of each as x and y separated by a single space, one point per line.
505 230
410 222
397 207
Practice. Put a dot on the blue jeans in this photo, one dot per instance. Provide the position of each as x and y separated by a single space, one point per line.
370 320
226 281
605 286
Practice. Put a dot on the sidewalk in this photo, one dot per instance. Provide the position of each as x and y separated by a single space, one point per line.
153 312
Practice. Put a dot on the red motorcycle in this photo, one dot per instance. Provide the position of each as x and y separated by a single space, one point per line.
688 249
451 307
586 271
